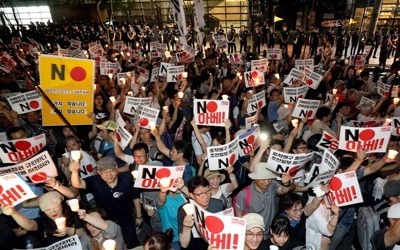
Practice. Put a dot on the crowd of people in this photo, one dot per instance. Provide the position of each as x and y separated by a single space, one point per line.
279 211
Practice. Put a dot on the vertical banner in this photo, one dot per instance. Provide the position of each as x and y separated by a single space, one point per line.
68 82
223 156
306 108
370 140
149 176
178 13
210 112
249 141
25 102
223 232
13 190
14 151
345 189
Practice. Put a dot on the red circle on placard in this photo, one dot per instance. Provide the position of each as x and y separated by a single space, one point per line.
78 74
162 173
34 104
212 107
184 54
1 189
262 68
97 58
309 81
232 159
118 137
367 135
260 103
275 56
300 96
39 177
254 74
214 224
235 56
155 54
251 139
111 71
293 171
179 76
99 51
335 184
358 58
89 168
22 145
4 59
143 121
309 113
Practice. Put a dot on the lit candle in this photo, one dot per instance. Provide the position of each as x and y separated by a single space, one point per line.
122 80
396 100
277 76
122 53
109 244
334 91
128 54
180 94
152 125
73 204
285 106
75 155
240 77
112 98
272 247
263 136
110 75
130 93
94 86
60 222
144 88
166 108
225 97
189 209
295 123
165 182
387 122
185 75
238 74
392 154
134 174
250 91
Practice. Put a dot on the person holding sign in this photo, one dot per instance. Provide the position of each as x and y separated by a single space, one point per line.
218 191
388 238
255 229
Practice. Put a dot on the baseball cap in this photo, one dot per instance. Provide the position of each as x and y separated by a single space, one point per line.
106 163
109 125
391 188
261 172
254 220
394 211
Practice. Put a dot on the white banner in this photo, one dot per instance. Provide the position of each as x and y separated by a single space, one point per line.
13 190
370 140
146 116
345 189
25 102
223 156
132 103
149 176
312 79
261 65
280 162
14 151
178 13
305 108
274 54
304 64
293 76
291 95
163 69
70 243
383 89
210 112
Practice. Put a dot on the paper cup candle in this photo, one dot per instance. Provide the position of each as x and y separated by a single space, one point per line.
180 94
396 100
392 154
73 204
185 75
165 182
189 209
334 91
109 245
60 222
75 155
295 123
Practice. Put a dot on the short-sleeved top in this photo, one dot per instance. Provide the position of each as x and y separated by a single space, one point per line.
214 206
117 201
262 203
168 214
378 240
113 232
196 145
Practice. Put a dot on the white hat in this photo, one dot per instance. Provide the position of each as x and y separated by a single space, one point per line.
254 220
261 172
394 211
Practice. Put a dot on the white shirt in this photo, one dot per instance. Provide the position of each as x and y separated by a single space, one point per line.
196 145
317 225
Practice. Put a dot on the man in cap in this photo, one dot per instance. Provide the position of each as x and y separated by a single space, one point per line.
263 192
255 229
387 238
113 192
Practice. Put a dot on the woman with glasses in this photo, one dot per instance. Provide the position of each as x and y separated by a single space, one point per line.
255 229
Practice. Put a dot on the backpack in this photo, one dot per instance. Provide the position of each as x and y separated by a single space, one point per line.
247 201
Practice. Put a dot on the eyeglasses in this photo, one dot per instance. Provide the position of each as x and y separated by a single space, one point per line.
207 192
297 210
250 235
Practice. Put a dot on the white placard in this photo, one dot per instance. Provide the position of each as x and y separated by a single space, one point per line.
291 95
25 102
345 189
132 103
149 176
223 156
210 112
305 108
249 141
370 140
13 190
14 151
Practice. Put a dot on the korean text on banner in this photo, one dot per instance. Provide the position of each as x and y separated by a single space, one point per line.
306 108
223 156
223 232
322 173
36 170
211 112
370 140
280 162
70 243
132 103
249 141
13 190
149 176
68 82
25 102
14 151
345 189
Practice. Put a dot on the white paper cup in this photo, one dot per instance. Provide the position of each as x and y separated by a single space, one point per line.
334 91
110 75
396 100
392 154
180 94
60 222
73 204
189 209
109 245
285 106
75 155
273 248
165 182
295 123
225 97
166 108
185 75
112 98
387 122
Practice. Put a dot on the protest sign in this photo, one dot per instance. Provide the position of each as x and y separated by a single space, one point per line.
328 141
123 137
184 57
256 101
36 170
221 41
305 108
396 126
223 156
260 65
227 212
174 73
13 190
251 121
70 243
118 45
366 101
312 79
293 76
254 78
274 54
65 52
280 162
154 74
146 116
149 176
155 54
223 232
163 69
109 68
291 95
304 64
345 189
383 89
249 141
322 173
14 151
370 140
358 60
235 58
366 123
25 102
210 112
76 44
132 103
68 82
367 49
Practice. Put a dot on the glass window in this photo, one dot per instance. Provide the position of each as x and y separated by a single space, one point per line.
27 14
